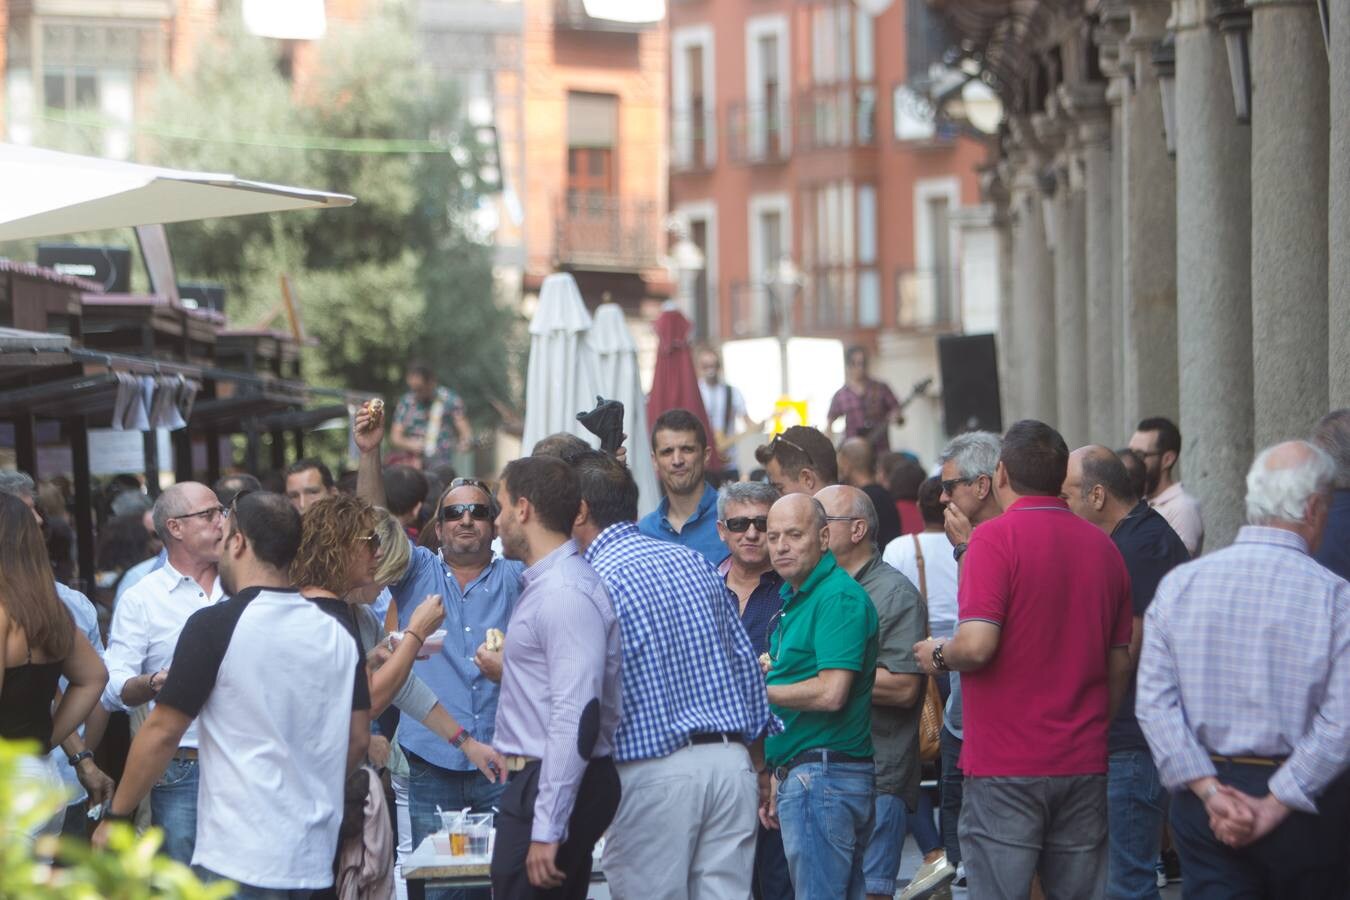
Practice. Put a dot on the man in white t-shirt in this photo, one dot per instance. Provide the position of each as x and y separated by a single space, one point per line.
724 405
1158 441
279 684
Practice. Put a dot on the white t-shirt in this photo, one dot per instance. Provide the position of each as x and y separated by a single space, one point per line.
1182 512
939 572
273 679
715 405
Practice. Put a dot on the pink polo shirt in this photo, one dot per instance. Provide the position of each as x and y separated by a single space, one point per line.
1058 589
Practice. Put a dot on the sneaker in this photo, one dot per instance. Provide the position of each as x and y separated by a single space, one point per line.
930 875
960 875
1162 877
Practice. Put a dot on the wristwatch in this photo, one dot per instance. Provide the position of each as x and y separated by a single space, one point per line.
110 816
79 758
958 551
938 662
461 738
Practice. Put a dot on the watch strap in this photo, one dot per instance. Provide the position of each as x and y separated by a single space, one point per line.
78 758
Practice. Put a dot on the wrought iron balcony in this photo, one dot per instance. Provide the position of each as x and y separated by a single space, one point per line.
610 233
831 116
759 133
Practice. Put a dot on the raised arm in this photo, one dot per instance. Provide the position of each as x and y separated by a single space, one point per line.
368 433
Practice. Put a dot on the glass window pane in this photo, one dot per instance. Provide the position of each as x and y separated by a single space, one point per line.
867 224
869 298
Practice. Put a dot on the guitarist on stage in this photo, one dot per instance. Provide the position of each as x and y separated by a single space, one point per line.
867 405
429 423
725 408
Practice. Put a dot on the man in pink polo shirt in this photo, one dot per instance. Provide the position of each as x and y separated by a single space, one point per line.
1043 648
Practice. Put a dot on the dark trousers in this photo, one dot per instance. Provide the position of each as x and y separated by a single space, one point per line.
597 800
951 784
771 881
1303 859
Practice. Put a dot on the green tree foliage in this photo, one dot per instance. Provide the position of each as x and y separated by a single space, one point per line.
402 273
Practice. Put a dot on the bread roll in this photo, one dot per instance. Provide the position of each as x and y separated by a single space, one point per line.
495 639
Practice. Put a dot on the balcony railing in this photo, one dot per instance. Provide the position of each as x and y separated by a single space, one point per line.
928 300
693 139
759 133
842 115
608 233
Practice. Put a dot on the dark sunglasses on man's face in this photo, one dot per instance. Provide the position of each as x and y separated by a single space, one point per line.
743 523
453 512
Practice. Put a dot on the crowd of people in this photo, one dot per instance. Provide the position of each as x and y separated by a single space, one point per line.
740 694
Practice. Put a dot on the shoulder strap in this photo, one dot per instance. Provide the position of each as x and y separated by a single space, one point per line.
728 417
918 561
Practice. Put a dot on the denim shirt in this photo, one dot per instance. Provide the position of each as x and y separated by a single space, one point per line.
699 532
466 693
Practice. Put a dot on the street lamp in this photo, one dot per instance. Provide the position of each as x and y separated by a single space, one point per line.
1165 64
782 282
1235 24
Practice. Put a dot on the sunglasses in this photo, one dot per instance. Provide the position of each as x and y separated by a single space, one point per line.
374 539
949 486
779 439
453 512
743 523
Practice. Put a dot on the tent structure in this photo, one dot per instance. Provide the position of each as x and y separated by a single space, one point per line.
617 365
562 378
49 193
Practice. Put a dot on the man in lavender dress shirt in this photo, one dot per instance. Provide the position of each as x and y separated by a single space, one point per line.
560 693
1244 696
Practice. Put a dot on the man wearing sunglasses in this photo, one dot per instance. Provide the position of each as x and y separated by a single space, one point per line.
479 591
801 460
191 522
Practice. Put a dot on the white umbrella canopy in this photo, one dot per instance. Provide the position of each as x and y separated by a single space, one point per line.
563 378
616 353
46 192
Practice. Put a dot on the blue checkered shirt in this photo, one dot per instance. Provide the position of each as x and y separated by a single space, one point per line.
1247 653
688 666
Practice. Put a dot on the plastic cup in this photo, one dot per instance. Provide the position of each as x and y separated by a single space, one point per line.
479 829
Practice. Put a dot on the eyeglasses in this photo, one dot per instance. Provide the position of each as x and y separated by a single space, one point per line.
453 512
843 518
949 486
779 439
208 514
743 523
234 504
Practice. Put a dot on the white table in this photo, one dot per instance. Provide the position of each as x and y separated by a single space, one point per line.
428 866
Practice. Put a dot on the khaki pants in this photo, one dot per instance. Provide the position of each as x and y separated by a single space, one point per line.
686 826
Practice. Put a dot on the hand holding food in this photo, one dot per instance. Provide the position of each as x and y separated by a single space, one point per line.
495 640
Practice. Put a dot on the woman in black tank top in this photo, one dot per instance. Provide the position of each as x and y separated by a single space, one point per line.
38 640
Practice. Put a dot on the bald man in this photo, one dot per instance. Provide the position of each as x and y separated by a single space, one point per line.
190 521
902 621
823 659
857 460
1098 488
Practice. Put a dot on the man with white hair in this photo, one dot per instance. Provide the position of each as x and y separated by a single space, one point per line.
1244 695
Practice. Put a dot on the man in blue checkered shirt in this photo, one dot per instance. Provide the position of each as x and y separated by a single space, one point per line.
693 705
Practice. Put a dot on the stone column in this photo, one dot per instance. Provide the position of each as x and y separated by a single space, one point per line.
1008 372
1094 136
1033 286
1338 220
1289 218
1214 326
1071 368
1117 63
1150 387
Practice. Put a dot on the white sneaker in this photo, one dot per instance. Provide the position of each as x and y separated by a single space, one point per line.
930 875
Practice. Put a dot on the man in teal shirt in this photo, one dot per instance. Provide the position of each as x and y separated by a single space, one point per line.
822 666
687 515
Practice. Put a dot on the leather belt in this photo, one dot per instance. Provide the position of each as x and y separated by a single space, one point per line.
817 756
716 737
518 763
185 753
1268 761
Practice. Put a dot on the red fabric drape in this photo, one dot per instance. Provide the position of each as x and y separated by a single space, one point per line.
674 384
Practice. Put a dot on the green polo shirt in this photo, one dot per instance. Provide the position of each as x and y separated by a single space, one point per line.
830 623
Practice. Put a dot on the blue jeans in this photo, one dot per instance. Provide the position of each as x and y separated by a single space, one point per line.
430 786
881 862
827 814
248 892
173 807
1134 816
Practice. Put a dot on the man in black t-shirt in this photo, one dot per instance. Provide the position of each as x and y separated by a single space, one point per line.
279 684
1098 488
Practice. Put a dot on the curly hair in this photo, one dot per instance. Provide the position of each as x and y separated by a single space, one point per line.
331 529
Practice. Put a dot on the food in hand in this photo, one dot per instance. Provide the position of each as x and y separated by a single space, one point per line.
495 640
376 406
765 661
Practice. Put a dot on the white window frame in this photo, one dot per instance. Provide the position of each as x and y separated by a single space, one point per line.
706 211
777 202
756 123
682 40
927 189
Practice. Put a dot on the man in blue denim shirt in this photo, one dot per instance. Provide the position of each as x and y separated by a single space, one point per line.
479 591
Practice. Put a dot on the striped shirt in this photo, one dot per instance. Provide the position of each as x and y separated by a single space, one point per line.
688 666
1247 653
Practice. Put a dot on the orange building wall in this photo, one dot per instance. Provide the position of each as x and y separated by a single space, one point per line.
559 61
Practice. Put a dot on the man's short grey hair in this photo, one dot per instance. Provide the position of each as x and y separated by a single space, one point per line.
975 453
171 504
757 492
17 484
1332 434
865 509
818 511
1282 494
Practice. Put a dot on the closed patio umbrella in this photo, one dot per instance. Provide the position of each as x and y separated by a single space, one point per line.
48 193
616 355
562 379
674 384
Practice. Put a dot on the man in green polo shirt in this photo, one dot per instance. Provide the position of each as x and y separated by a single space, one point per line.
823 659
